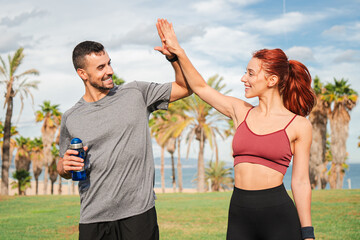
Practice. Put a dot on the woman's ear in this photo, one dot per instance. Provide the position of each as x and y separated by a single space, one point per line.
272 80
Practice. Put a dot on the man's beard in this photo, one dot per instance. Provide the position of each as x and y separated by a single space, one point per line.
101 88
95 85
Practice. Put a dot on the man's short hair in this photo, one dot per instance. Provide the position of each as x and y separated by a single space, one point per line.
83 49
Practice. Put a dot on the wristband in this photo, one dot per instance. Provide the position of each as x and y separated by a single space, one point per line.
307 232
174 59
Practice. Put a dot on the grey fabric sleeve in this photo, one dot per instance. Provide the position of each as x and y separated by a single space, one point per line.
156 95
65 138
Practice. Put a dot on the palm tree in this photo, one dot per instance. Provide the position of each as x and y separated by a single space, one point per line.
204 126
15 83
167 127
219 176
36 156
155 124
13 144
343 100
57 141
22 157
117 80
23 181
318 119
51 117
52 168
171 147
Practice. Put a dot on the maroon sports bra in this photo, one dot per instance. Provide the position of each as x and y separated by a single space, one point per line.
271 150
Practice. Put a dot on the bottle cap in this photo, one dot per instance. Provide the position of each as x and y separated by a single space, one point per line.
76 143
76 140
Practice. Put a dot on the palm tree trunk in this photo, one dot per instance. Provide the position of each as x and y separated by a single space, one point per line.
216 153
36 185
317 164
48 134
201 167
52 188
339 124
179 168
60 186
73 187
162 170
6 146
173 172
47 156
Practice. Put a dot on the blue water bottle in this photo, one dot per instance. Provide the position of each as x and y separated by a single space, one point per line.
77 145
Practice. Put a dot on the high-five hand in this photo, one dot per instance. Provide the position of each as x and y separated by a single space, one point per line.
162 49
168 37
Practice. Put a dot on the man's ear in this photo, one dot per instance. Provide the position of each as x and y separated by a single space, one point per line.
272 80
82 74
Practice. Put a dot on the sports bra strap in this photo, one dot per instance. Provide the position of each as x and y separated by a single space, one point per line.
248 113
290 121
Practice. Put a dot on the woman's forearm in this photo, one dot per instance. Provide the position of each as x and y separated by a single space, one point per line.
193 77
302 196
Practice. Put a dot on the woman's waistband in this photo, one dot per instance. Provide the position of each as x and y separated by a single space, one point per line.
260 198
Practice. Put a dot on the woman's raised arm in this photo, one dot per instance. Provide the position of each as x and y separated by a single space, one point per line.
227 105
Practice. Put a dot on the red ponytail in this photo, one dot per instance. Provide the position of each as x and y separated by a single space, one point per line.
294 80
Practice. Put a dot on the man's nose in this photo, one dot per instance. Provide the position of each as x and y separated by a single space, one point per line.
110 71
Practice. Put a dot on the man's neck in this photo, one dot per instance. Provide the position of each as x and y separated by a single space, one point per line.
93 94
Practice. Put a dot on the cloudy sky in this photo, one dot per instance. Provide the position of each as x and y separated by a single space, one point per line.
218 35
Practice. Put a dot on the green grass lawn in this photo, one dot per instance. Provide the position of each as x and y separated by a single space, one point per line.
335 215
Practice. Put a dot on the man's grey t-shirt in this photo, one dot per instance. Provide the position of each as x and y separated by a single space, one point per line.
120 166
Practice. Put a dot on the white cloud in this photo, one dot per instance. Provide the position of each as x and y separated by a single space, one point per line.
210 7
229 11
301 54
347 32
22 17
9 41
219 6
348 56
226 44
244 2
285 23
146 35
335 31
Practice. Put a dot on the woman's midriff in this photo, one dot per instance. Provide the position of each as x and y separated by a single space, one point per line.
249 176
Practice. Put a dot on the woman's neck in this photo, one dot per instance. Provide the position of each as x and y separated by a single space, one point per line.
271 102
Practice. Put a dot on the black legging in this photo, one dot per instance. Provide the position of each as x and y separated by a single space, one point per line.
268 214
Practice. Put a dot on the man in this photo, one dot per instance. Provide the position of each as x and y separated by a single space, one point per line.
117 198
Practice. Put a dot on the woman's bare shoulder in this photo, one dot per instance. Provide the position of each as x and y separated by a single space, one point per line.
302 126
241 108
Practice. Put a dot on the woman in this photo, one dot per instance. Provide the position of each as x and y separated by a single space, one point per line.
267 137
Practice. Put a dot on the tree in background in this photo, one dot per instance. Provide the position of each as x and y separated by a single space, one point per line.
14 84
156 126
13 144
204 126
318 119
52 168
23 181
36 156
51 118
342 99
117 80
171 147
167 127
219 175
22 157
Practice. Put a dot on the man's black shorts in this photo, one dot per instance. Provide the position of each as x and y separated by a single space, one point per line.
139 227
